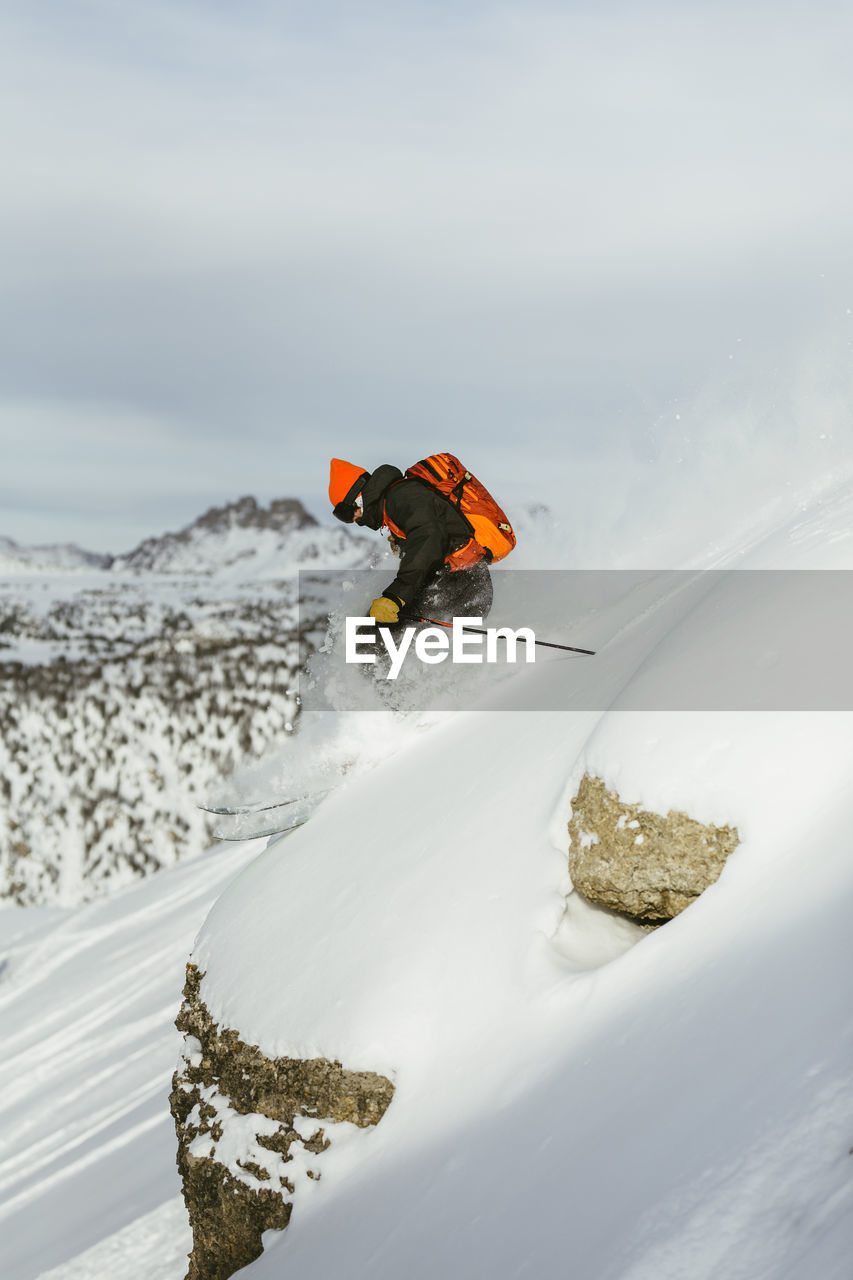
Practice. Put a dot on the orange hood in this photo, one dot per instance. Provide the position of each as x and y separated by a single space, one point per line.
342 477
346 482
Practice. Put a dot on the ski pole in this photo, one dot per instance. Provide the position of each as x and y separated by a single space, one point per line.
546 644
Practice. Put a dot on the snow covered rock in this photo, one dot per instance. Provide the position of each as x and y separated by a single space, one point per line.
249 1129
637 862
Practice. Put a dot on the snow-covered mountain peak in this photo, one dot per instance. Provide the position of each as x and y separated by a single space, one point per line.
246 513
261 540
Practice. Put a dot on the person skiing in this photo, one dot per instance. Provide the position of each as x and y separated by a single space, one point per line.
430 533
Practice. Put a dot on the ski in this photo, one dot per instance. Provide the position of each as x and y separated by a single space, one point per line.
258 835
231 811
243 823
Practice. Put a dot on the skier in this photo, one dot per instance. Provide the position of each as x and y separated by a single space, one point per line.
427 530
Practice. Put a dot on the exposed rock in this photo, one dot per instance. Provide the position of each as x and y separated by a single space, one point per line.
637 862
249 1128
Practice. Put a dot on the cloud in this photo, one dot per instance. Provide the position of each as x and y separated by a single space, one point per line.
273 228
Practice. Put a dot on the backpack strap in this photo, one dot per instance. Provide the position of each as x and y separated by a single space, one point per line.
455 494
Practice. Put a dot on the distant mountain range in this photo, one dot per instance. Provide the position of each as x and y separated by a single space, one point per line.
261 540
55 557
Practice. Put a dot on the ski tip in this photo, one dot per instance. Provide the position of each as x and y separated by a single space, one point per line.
259 835
232 811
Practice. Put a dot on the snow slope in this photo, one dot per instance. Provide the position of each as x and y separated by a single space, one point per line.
88 999
566 1101
645 1113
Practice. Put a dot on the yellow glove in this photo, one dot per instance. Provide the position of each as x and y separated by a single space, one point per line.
385 610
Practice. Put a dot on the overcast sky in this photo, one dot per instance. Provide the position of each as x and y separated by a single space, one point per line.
236 239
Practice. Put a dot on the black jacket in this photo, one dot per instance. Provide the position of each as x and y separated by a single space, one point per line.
432 525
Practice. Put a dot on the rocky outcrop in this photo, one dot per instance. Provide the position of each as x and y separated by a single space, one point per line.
639 863
249 1129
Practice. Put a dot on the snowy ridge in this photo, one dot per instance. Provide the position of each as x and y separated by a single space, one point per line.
15 559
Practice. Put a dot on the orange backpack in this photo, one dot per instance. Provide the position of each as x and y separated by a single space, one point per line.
492 535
